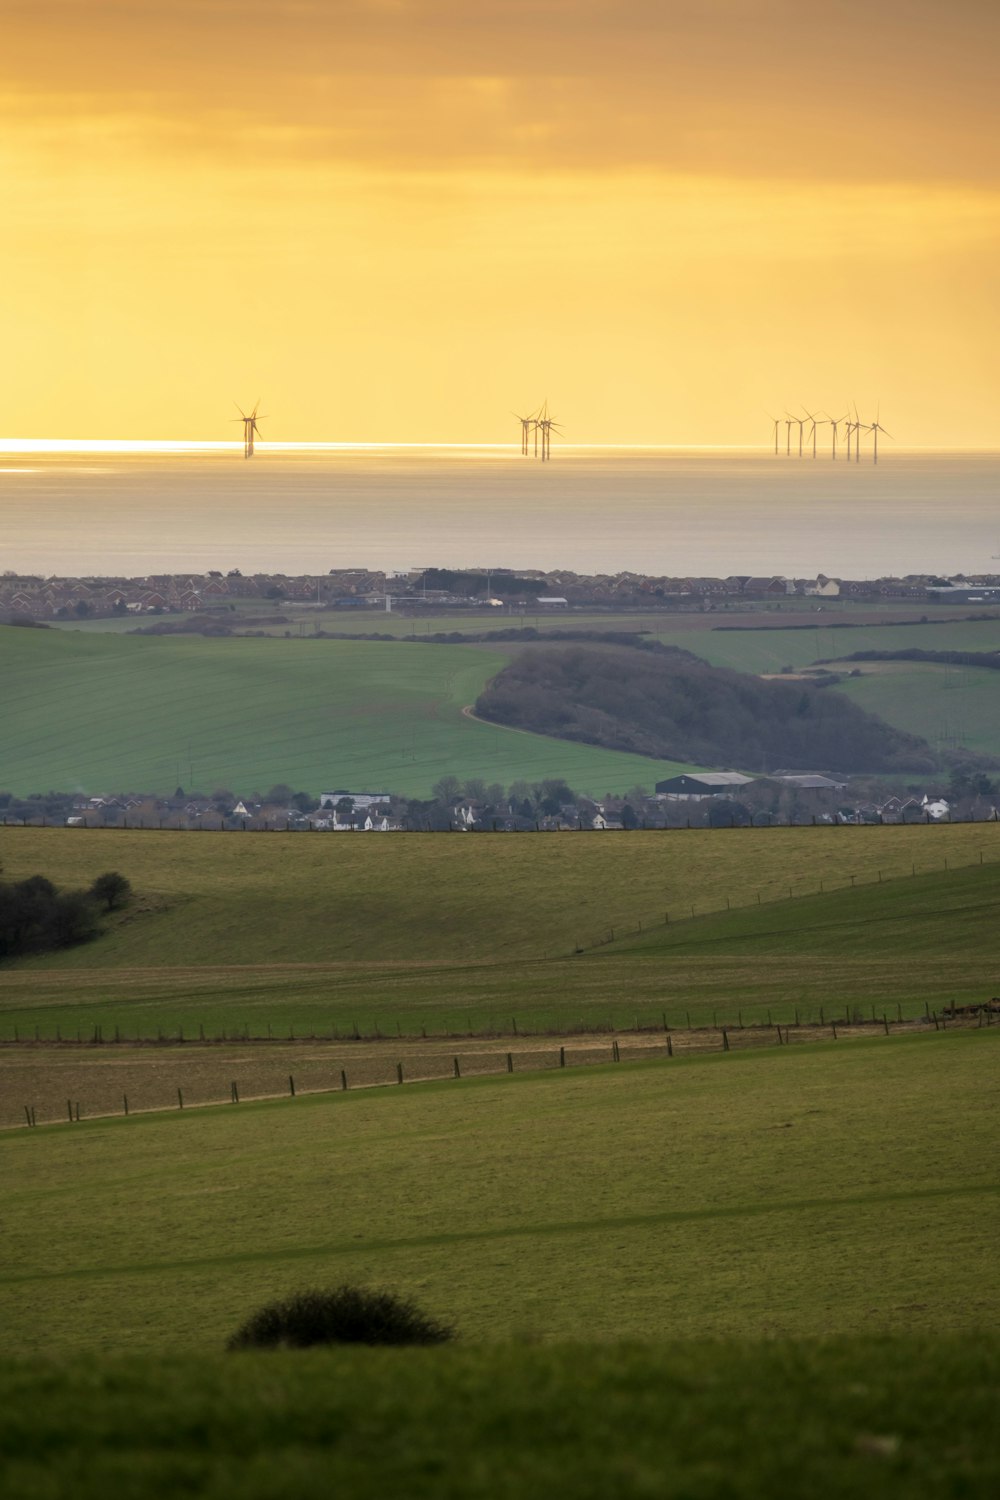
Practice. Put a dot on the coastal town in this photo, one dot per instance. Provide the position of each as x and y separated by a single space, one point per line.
421 590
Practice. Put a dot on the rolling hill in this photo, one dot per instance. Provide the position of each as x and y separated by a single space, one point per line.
308 934
104 712
661 701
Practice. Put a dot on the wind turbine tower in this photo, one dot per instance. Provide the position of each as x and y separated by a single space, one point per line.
802 423
816 422
875 429
250 428
548 427
526 425
834 425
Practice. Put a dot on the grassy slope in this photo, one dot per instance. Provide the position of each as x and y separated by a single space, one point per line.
105 712
943 704
450 933
788 1192
860 1417
769 650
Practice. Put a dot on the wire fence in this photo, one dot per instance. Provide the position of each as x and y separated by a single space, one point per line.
51 1088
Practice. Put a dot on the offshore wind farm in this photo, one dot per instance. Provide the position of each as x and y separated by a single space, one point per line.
135 510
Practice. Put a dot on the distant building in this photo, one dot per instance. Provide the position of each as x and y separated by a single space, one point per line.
965 594
703 784
808 781
554 603
361 801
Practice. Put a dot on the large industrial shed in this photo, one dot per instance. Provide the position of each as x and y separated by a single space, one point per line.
703 784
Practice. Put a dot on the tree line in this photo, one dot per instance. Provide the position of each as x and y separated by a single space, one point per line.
36 917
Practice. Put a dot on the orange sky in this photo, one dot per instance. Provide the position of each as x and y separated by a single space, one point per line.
397 219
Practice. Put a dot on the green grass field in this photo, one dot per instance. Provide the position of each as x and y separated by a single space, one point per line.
861 1417
105 712
763 1273
454 934
946 705
775 1270
803 1192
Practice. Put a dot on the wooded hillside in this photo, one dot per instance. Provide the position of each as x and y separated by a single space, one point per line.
670 704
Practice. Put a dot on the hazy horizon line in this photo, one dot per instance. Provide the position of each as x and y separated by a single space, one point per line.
44 446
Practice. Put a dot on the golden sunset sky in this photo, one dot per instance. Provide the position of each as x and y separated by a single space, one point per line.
398 219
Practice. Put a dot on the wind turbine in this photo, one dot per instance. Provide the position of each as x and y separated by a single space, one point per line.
816 422
859 428
526 425
548 427
802 423
789 422
777 424
875 429
834 424
250 427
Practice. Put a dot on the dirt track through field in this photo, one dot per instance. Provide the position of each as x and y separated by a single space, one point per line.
52 1080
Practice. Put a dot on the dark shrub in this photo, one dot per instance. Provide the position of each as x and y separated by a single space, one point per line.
346 1315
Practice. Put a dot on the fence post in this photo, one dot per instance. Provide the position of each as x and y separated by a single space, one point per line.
399 1072
234 1092
725 1040
291 1085
458 1070
510 1062
562 1057
343 1080
69 1110
27 1116
834 1025
670 1046
180 1099
885 1022
78 1111
125 1102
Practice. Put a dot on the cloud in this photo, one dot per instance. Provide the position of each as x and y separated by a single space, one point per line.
897 91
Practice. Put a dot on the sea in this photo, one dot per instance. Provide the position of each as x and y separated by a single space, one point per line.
131 510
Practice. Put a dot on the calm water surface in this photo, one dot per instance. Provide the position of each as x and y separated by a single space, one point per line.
590 510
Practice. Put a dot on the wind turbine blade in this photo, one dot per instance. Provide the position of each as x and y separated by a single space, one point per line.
886 433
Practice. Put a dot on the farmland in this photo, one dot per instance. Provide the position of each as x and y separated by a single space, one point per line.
617 1203
452 935
761 1270
103 711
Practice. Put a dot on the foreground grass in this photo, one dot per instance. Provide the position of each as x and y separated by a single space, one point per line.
859 1417
295 936
795 1192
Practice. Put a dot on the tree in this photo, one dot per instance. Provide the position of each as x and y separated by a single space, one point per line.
447 789
628 817
111 888
280 793
345 807
304 803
